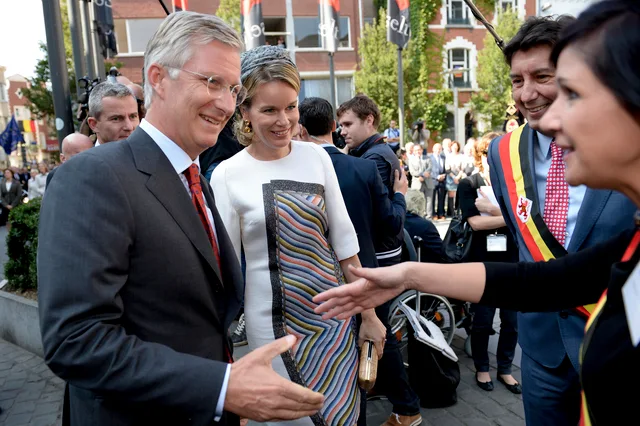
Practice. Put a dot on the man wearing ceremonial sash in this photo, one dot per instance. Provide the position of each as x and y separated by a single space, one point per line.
548 219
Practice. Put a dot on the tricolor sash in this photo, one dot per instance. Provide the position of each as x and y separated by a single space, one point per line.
585 414
521 197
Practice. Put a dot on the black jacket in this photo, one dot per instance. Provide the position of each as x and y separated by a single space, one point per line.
368 203
375 148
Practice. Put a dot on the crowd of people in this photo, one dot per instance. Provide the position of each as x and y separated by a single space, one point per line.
230 196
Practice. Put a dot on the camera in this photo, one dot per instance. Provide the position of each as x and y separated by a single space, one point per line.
338 139
87 85
418 125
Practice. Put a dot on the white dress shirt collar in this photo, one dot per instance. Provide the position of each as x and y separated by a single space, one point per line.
179 159
544 143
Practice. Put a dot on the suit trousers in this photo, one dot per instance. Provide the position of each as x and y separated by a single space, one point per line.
393 381
551 396
428 196
482 328
439 196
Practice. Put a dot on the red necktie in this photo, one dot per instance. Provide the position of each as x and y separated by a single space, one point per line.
556 202
193 178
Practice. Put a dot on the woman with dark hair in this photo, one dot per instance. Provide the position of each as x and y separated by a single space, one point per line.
596 120
491 242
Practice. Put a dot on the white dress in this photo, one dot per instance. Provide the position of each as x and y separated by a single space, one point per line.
291 220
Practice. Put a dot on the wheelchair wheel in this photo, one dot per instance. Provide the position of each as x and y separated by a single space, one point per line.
432 307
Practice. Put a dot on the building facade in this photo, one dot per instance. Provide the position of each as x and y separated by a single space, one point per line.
464 38
38 145
136 20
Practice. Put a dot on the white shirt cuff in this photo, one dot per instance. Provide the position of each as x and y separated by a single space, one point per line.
223 394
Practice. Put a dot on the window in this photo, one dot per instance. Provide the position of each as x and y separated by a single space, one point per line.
459 58
139 32
457 13
275 31
321 88
3 92
506 4
307 32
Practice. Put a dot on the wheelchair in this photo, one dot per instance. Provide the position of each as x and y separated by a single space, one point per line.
447 315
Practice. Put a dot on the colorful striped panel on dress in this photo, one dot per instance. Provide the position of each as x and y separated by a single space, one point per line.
303 264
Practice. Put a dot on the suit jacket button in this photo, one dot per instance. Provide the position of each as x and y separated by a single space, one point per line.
564 314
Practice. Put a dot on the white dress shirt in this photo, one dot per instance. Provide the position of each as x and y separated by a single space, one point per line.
542 164
181 161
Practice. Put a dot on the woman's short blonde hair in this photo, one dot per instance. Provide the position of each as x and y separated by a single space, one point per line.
482 147
277 70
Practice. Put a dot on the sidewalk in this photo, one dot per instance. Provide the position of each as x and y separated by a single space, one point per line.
31 395
29 392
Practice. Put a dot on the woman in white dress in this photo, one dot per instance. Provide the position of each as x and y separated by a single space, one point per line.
281 203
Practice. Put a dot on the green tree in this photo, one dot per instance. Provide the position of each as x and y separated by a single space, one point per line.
377 75
229 11
39 95
493 73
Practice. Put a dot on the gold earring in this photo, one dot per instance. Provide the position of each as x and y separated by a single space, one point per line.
247 127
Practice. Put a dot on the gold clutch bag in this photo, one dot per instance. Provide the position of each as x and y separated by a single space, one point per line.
368 370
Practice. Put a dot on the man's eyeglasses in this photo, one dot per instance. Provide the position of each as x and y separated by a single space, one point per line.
217 86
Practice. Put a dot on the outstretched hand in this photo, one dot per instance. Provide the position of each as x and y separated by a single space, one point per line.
258 393
373 288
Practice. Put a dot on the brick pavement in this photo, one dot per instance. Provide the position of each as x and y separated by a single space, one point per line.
30 394
475 407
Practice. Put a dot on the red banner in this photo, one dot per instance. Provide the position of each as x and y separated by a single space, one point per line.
53 145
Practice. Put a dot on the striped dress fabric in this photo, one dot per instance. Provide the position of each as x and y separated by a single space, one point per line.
303 264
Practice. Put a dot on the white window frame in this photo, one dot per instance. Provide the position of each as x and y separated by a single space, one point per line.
465 63
324 75
285 33
513 3
461 43
466 13
319 49
128 30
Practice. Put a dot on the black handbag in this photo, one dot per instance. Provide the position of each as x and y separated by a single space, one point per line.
433 376
457 241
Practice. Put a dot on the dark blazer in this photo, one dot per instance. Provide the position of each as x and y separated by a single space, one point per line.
437 168
11 197
134 310
549 337
368 204
431 245
49 177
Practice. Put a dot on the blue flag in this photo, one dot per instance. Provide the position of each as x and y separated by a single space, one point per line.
11 136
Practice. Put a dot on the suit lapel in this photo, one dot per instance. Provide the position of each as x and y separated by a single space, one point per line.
167 187
590 210
533 141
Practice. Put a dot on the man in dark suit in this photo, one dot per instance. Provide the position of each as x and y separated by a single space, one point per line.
438 167
367 199
520 164
72 145
10 195
138 280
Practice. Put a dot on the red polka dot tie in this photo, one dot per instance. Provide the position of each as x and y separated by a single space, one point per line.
556 201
